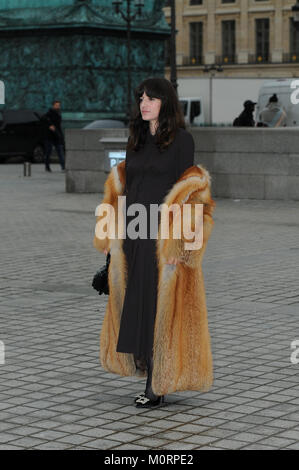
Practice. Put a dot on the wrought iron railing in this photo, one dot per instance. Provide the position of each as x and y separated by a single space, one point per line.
194 60
291 57
226 59
258 59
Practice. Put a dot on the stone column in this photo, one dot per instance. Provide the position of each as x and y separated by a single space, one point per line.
210 36
242 37
277 33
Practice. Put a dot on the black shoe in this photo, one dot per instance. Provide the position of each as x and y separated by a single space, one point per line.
48 169
144 402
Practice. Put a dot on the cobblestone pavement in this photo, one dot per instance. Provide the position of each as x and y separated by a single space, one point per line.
53 392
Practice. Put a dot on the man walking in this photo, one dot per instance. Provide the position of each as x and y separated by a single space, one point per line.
54 135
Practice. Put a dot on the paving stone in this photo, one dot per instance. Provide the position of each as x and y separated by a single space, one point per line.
293 446
178 446
258 446
248 437
278 442
151 442
199 439
52 446
75 439
102 444
28 442
49 435
230 444
130 447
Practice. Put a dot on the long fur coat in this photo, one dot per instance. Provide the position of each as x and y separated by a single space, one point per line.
181 351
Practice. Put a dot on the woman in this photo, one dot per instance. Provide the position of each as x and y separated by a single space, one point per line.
273 115
156 319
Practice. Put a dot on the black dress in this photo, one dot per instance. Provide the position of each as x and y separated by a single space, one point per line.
150 174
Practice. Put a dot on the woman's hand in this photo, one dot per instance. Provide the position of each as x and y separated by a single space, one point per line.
173 261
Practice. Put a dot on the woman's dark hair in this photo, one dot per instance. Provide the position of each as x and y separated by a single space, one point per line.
273 98
170 115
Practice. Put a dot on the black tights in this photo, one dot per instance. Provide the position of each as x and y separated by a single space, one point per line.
148 388
148 363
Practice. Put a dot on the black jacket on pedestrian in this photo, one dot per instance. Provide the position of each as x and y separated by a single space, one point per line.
53 118
245 119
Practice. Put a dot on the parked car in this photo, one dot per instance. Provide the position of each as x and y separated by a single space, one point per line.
105 124
22 133
193 110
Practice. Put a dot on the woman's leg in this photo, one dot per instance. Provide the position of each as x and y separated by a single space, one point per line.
148 389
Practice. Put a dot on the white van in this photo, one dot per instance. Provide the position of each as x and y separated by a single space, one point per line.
193 110
287 92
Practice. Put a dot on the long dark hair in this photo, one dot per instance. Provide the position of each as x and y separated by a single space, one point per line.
170 115
273 98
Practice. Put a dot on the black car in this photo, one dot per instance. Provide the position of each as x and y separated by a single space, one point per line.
22 133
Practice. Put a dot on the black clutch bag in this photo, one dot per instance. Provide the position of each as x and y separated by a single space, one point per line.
100 280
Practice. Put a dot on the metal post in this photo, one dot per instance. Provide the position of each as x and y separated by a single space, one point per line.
211 94
212 69
129 56
173 72
27 168
212 75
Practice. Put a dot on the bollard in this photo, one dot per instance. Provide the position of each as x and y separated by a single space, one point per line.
27 168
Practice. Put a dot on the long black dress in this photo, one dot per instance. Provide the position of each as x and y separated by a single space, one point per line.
150 174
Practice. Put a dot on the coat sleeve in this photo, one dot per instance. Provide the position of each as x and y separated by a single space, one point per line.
193 258
109 197
185 153
175 247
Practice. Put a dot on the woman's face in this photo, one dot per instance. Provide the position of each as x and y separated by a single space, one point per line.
150 107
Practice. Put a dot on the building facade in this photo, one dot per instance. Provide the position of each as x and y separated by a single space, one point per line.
249 38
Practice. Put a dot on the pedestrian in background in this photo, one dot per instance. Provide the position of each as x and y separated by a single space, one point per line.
156 317
273 115
54 136
245 119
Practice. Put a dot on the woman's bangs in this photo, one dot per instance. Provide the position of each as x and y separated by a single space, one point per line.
151 92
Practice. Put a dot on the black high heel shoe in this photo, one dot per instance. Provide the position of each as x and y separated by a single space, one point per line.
149 399
144 402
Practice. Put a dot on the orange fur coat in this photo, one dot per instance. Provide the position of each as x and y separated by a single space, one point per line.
181 351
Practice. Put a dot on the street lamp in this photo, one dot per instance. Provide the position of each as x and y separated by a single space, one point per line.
128 18
212 69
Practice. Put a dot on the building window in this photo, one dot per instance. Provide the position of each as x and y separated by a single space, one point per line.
228 1
196 42
195 2
294 42
228 41
262 39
